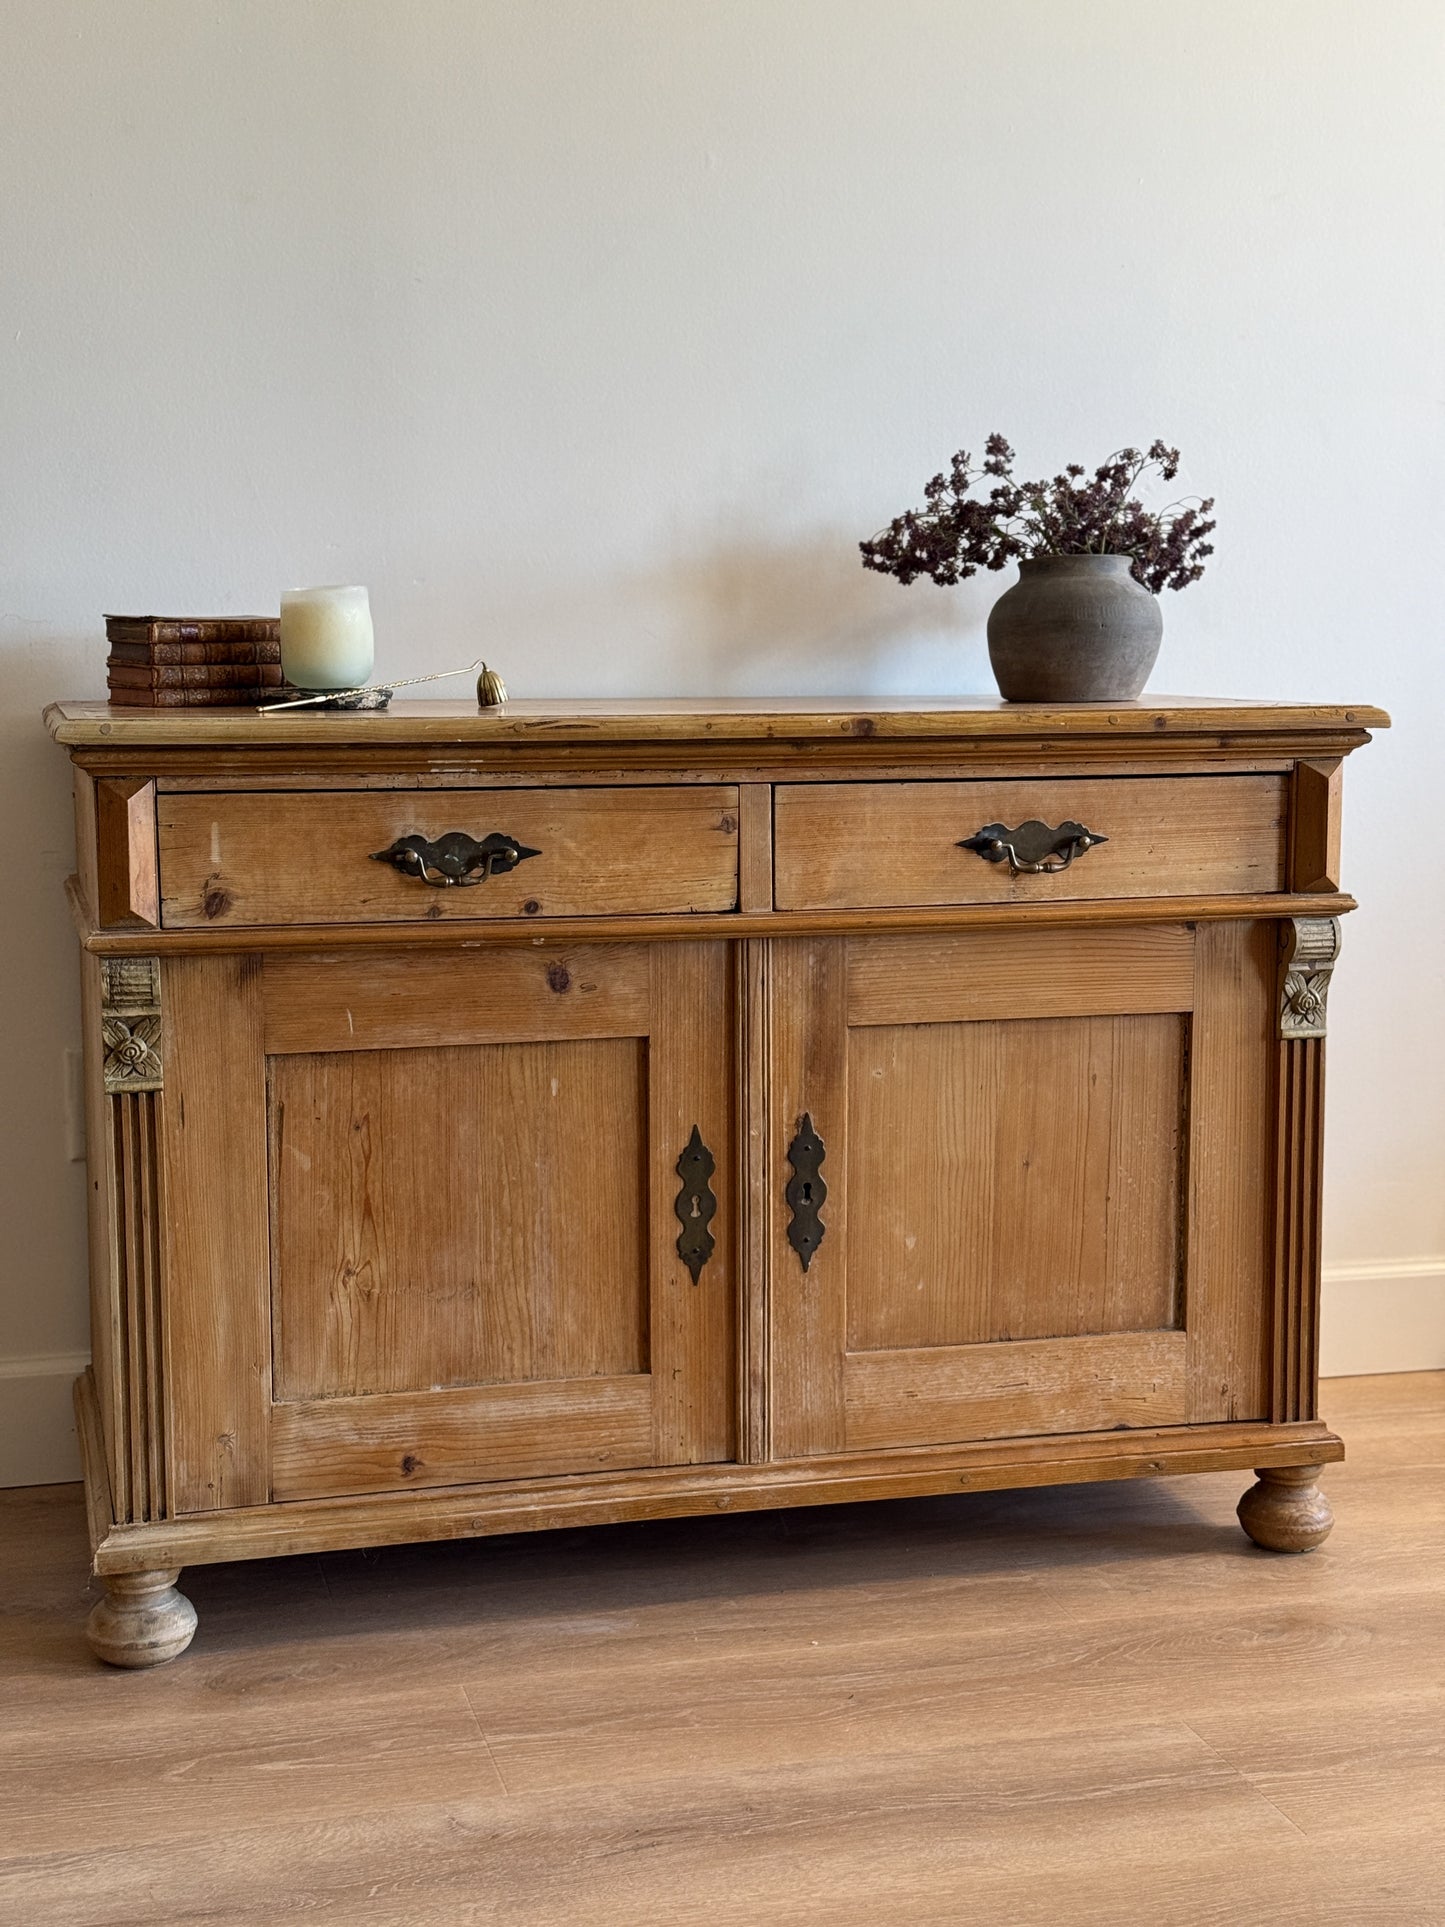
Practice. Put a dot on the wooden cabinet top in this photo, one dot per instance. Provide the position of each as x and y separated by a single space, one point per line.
608 724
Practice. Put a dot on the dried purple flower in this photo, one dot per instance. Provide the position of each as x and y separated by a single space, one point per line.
958 534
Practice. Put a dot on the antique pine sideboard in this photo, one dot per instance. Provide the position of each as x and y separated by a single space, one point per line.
595 1111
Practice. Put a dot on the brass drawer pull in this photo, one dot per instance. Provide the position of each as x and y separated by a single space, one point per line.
455 857
1033 849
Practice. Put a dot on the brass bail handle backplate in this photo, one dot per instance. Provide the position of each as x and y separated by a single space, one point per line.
455 858
1033 849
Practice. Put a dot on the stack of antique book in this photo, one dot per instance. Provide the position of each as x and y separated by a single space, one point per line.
168 662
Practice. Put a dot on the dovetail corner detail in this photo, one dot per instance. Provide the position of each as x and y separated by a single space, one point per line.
1311 947
130 1023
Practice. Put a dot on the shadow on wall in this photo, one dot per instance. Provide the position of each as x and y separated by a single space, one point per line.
775 616
42 1193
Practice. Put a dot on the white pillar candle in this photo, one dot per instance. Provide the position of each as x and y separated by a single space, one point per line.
326 637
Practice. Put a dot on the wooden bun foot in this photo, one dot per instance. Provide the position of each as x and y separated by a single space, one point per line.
1286 1511
142 1620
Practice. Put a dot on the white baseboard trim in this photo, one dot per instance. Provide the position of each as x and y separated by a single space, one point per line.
1385 1317
37 1425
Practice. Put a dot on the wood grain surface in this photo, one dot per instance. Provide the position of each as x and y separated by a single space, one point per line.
420 1273
1062 1708
695 926
328 1447
1230 1256
1316 815
874 845
128 880
603 723
1011 1180
214 1237
308 858
395 1000
1086 971
1013 1390
461 1216
406 1515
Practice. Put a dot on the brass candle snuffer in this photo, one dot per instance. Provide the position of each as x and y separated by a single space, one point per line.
491 691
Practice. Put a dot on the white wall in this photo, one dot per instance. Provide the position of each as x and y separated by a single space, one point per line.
595 332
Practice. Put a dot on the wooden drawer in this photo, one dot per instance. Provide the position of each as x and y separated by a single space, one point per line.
842 846
297 857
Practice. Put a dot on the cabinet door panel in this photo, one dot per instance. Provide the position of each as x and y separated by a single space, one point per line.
1013 1179
434 1238
1047 1202
410 1247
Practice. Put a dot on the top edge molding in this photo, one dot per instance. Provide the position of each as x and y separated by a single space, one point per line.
607 723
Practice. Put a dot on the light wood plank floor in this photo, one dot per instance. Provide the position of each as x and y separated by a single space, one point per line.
1036 1709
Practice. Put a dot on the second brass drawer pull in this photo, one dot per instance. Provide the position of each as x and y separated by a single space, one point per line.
1033 849
455 857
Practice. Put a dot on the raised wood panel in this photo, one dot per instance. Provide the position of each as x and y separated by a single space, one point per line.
1013 1180
355 1445
303 857
402 1000
842 845
215 1232
1078 972
458 1216
1231 1171
1011 1391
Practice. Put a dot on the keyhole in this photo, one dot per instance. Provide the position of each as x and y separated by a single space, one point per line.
807 1191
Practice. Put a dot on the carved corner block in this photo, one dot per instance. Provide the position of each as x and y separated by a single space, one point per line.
1315 824
130 1023
128 887
1311 948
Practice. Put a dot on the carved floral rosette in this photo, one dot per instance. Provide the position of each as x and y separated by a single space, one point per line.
130 1023
1311 948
